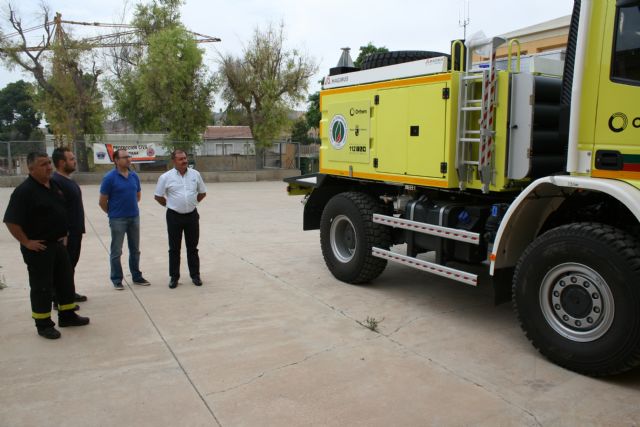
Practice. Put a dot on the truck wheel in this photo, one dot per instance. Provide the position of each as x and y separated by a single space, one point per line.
347 234
382 59
577 297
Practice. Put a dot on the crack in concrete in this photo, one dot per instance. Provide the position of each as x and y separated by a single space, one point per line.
387 336
464 378
278 368
166 343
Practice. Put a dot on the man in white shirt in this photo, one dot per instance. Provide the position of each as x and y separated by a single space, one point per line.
180 190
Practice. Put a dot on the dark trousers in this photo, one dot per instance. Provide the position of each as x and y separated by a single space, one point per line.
49 270
189 224
74 244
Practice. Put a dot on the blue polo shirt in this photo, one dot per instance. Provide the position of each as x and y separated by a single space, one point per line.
122 193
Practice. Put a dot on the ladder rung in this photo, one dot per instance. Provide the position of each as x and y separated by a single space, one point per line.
474 101
440 270
425 228
473 77
472 132
471 162
470 139
471 108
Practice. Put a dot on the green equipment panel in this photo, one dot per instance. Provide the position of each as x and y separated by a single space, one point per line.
348 131
411 130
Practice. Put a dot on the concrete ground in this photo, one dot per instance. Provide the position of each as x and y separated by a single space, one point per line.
272 339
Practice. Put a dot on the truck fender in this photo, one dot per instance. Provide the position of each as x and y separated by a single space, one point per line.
528 212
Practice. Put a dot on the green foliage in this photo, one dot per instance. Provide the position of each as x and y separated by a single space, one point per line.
299 131
366 50
267 81
73 105
235 117
169 91
68 91
313 113
19 118
156 16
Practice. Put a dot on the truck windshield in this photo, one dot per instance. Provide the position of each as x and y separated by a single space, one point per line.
626 58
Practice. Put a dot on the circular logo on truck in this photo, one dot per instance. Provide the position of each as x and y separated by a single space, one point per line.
618 122
338 132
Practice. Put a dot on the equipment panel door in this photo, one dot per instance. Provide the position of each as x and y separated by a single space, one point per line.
348 131
426 130
391 138
411 130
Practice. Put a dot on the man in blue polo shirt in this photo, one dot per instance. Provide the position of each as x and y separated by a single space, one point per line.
119 197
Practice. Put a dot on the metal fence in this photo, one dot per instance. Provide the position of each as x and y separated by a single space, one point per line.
13 155
210 156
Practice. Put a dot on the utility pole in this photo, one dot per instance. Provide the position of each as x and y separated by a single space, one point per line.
463 17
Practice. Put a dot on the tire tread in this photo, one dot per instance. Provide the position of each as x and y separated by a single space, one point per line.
619 241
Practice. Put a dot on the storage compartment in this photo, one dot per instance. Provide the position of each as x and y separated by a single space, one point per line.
452 215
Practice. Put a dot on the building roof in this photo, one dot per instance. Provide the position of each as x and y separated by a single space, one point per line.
227 132
551 26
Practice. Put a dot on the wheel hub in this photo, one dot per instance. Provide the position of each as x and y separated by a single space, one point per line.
343 238
576 302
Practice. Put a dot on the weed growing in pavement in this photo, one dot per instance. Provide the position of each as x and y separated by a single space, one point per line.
371 323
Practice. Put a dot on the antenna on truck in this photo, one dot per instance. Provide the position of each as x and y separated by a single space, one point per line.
463 17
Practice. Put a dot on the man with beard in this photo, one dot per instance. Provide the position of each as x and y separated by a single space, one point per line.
65 163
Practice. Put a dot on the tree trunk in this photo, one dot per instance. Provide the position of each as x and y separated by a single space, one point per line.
259 157
81 153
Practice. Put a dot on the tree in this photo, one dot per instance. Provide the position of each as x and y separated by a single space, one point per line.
68 95
267 81
234 116
313 114
19 118
299 131
168 90
367 50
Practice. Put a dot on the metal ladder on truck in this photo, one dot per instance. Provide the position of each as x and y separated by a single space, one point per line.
476 117
433 230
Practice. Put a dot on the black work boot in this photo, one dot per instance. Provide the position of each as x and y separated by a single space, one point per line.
46 329
70 318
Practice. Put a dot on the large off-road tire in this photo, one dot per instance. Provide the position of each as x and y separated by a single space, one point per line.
576 291
382 59
347 234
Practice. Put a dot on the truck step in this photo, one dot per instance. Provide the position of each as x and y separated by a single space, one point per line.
434 230
437 269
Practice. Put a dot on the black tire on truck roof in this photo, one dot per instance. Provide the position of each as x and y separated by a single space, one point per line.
382 59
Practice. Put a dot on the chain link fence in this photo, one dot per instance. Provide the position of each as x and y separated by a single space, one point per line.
209 156
13 155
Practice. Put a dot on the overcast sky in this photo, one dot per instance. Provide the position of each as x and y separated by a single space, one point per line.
320 28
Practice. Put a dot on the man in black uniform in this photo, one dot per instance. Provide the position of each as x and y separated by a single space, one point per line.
36 217
64 162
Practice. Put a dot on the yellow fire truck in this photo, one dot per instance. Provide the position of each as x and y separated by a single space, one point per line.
531 171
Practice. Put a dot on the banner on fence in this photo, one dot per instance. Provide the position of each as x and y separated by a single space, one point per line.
140 153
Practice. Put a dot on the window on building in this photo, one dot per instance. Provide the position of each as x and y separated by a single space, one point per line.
626 54
222 149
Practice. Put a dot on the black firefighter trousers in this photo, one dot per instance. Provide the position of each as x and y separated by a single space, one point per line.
49 270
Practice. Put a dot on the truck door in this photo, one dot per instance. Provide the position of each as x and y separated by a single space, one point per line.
617 134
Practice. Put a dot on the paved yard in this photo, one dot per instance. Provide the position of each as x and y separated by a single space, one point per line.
272 339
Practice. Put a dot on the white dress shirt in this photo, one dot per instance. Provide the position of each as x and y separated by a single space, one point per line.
180 191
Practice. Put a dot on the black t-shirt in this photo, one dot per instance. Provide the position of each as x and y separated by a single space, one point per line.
73 202
39 210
